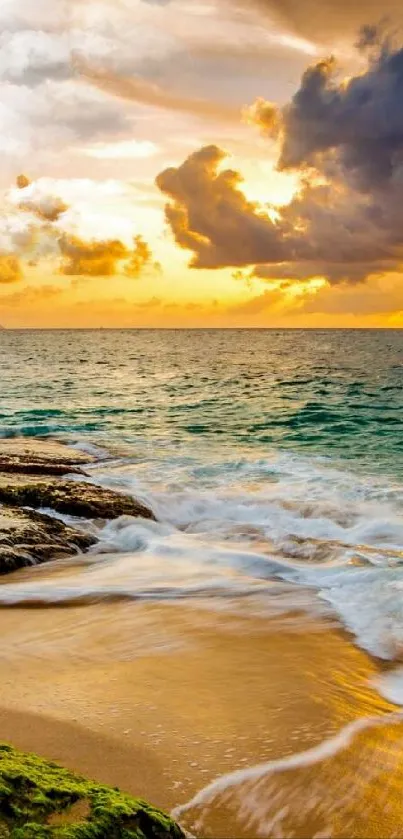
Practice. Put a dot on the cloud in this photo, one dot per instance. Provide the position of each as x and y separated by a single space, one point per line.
144 92
30 56
163 57
267 300
32 198
92 259
139 258
36 125
151 303
355 126
40 225
20 15
345 223
210 215
22 181
103 258
123 150
335 272
30 295
17 233
382 296
325 20
10 268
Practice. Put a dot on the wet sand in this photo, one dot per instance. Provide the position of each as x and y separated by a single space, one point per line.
160 700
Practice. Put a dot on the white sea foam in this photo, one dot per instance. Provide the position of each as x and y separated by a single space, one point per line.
288 517
91 449
390 685
326 749
228 528
277 799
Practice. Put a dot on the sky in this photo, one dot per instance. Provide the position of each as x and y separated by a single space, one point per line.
201 163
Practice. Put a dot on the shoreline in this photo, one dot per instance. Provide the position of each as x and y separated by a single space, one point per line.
96 756
162 698
164 722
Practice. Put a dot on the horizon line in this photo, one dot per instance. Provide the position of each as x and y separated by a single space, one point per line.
200 329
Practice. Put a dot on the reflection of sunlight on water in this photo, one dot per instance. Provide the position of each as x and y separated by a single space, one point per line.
211 690
349 785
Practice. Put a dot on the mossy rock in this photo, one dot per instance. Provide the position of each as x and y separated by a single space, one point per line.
40 800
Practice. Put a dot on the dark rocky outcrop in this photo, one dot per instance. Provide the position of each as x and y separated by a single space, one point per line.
29 538
40 457
34 475
40 800
74 498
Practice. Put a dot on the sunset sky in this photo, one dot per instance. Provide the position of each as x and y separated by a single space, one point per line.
191 163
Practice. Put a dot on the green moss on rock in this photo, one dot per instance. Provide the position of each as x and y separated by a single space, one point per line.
37 799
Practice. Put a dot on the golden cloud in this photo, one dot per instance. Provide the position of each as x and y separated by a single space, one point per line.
10 268
46 235
102 258
140 257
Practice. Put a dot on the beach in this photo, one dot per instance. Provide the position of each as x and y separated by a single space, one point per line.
201 419
163 723
212 620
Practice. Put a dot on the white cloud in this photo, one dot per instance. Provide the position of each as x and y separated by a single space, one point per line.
124 150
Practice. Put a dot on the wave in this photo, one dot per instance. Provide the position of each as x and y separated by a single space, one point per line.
261 806
257 529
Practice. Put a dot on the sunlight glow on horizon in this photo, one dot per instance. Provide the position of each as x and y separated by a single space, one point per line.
167 86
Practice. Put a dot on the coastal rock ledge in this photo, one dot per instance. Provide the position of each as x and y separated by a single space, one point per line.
33 477
40 800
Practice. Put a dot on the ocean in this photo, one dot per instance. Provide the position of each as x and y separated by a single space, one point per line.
248 393
273 461
263 454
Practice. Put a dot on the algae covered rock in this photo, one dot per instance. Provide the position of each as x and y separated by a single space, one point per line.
40 800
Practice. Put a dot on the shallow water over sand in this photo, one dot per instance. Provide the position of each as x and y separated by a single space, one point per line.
196 695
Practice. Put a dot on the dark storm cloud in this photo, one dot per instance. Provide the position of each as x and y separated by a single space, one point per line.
346 222
361 122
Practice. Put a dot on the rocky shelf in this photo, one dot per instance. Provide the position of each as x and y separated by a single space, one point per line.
33 478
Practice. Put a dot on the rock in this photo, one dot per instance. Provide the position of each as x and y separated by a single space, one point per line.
40 457
73 498
28 538
40 800
33 474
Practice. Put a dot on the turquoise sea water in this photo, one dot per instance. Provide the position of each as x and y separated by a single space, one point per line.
336 394
270 458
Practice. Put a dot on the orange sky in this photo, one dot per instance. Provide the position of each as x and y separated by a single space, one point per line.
98 99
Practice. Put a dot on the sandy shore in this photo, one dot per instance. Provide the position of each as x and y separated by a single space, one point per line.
160 700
